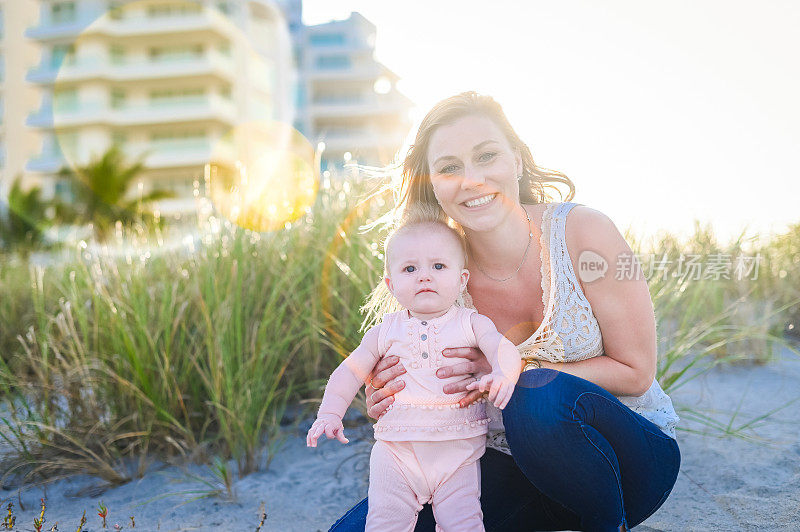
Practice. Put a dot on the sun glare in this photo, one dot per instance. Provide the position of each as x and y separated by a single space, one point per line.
262 175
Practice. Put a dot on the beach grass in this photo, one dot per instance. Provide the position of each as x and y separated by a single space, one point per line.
202 342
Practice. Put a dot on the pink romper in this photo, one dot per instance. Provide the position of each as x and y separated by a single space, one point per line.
427 448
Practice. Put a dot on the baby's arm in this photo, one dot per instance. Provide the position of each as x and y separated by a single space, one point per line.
504 358
342 387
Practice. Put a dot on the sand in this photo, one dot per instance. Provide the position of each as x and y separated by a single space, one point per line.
725 483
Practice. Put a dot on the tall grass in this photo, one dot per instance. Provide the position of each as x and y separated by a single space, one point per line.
706 318
178 351
111 357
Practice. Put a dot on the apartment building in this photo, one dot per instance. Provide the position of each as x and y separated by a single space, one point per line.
166 80
17 97
348 103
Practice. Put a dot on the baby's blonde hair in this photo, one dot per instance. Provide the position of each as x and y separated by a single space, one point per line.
380 300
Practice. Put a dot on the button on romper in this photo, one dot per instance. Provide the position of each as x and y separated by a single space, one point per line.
427 448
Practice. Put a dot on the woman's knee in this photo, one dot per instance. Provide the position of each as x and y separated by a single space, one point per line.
354 520
539 407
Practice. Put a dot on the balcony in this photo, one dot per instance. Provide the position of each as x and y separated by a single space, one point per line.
345 48
209 64
359 106
157 154
173 153
357 72
48 163
341 140
98 23
53 30
184 110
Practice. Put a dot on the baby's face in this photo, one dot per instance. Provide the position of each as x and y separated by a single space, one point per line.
426 270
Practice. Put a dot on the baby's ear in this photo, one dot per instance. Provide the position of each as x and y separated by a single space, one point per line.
464 278
388 282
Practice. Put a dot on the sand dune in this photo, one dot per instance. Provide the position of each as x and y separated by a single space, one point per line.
724 484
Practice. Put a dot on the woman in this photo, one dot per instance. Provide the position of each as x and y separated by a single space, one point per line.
587 441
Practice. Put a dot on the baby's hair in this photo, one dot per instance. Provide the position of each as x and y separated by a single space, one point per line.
423 215
381 301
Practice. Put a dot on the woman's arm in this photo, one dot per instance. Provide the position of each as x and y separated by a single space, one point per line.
623 308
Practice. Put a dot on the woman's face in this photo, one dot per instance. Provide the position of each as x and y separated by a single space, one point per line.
474 171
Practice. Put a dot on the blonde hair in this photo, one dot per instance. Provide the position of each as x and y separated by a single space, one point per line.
381 301
416 188
414 195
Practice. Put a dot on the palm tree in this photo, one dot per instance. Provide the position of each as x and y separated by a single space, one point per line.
26 219
101 190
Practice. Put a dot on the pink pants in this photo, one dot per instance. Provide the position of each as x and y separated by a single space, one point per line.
404 475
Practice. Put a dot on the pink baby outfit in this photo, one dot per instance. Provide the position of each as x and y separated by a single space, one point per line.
421 410
427 448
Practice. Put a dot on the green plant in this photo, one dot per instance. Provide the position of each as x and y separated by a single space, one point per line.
102 191
102 511
212 347
23 226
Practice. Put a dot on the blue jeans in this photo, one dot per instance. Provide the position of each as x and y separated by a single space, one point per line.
581 461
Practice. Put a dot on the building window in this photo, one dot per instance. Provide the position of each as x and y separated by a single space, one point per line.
65 100
173 9
183 139
62 12
63 190
62 54
68 143
327 39
170 97
176 53
115 10
333 62
117 54
119 138
117 98
179 185
225 7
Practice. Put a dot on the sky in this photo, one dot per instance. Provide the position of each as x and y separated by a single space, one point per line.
661 113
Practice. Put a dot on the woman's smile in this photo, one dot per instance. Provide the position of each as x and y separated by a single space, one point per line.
480 201
473 172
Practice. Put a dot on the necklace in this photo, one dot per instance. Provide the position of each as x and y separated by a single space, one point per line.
524 256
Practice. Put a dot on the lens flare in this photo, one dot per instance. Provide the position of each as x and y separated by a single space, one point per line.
263 175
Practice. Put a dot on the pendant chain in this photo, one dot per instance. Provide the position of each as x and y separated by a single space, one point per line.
524 256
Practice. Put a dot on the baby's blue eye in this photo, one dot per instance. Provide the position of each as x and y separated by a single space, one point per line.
409 269
439 266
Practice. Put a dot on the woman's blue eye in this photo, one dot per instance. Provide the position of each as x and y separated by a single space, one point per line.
486 156
449 169
409 269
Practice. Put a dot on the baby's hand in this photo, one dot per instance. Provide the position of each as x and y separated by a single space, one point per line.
328 424
499 386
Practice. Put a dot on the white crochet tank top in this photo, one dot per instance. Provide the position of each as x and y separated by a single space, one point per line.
569 331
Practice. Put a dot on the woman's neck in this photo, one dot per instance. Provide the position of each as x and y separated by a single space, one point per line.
500 250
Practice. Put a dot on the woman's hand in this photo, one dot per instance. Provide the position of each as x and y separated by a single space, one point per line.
474 368
384 384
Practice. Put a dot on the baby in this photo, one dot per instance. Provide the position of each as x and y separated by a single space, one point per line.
427 447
